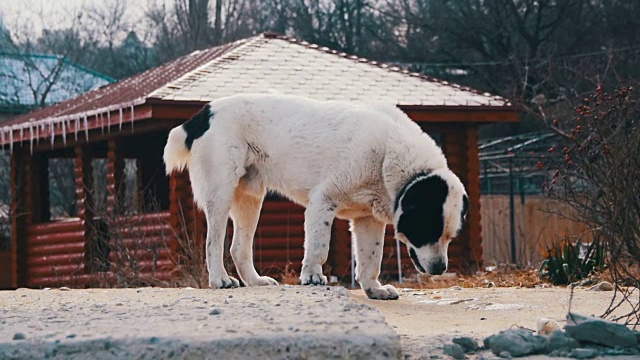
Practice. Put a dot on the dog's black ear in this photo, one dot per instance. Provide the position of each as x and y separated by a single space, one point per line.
422 218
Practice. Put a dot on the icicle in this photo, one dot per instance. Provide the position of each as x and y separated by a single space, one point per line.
2 135
52 128
109 121
21 133
31 138
64 133
86 127
11 139
77 127
37 134
120 118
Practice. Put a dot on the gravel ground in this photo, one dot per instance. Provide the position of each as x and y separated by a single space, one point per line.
285 322
273 322
426 320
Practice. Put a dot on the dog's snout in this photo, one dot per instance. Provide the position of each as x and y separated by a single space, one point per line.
437 267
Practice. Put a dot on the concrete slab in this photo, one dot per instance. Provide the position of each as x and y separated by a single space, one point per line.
284 322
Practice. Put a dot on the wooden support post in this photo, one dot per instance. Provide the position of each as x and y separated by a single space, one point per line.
472 183
94 242
115 176
186 219
20 214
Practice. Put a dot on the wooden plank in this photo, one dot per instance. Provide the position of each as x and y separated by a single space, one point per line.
462 114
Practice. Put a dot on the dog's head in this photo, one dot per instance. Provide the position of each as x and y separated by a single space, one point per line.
429 211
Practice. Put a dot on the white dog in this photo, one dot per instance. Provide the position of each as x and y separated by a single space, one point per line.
366 163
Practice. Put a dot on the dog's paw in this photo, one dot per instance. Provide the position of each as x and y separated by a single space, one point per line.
313 279
223 282
386 292
262 281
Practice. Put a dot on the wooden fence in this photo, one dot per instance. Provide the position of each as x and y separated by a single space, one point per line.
537 225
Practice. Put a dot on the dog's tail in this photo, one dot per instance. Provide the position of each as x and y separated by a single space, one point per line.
176 154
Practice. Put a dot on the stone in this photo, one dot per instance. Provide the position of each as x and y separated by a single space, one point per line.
215 311
546 326
19 336
64 288
560 341
454 350
589 329
583 353
505 355
602 286
467 344
518 342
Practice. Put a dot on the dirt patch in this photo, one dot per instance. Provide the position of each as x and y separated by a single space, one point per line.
426 320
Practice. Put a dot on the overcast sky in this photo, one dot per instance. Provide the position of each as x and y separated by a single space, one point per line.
53 14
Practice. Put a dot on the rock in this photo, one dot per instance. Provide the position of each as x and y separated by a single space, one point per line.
64 288
561 342
547 326
594 330
602 286
454 350
19 336
583 353
505 355
518 342
467 344
215 311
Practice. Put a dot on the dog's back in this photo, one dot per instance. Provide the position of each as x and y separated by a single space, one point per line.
290 142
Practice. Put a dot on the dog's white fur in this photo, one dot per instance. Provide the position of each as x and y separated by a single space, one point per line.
335 158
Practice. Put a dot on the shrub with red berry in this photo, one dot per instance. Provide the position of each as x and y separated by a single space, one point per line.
598 170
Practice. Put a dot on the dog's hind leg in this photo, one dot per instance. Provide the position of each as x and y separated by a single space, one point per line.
245 212
368 234
318 218
214 180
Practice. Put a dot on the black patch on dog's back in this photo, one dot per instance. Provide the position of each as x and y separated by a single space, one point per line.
422 221
197 125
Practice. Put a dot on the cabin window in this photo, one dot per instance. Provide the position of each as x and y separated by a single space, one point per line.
61 188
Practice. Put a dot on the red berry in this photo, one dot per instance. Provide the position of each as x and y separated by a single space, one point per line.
555 122
540 166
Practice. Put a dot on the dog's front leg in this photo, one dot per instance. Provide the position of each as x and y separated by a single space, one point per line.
318 218
368 234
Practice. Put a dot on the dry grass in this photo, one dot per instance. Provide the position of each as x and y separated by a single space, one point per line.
504 276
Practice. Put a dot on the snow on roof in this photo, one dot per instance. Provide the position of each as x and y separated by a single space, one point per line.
260 64
284 65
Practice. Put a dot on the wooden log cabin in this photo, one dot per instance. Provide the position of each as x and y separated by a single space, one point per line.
121 128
